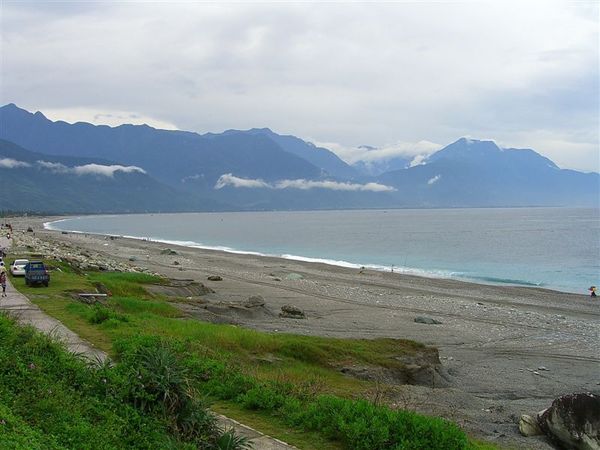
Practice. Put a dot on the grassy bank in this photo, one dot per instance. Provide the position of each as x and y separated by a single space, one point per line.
50 399
286 385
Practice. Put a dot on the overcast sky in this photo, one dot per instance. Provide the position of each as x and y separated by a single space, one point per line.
401 76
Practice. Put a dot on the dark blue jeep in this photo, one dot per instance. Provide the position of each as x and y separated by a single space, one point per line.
36 273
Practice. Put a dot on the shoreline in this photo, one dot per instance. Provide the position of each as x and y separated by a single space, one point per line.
492 340
399 270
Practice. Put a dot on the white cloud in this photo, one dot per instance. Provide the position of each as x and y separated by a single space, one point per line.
434 180
89 169
418 160
53 167
231 180
9 163
366 154
113 118
332 185
107 171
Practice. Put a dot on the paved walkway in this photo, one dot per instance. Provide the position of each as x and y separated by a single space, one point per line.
26 313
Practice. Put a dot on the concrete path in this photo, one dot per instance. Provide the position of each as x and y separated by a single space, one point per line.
26 313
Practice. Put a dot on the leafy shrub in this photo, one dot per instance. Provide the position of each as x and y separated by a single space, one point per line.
262 397
101 314
230 441
361 425
160 384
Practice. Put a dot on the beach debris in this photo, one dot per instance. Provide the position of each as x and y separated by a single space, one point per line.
100 287
276 279
132 258
292 312
293 276
254 301
91 298
29 230
168 251
427 320
573 421
214 278
542 368
175 263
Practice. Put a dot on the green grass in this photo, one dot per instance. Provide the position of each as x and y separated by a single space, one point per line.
308 364
50 399
275 426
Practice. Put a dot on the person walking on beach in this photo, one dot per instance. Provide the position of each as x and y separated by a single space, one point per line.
592 290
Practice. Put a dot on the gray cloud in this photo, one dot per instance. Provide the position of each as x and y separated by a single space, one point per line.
523 73
237 182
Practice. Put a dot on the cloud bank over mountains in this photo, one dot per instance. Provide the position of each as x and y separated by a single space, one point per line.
229 179
85 169
10 163
368 154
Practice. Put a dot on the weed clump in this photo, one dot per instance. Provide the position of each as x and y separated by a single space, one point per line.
101 314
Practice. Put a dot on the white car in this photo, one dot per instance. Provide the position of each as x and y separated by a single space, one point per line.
17 268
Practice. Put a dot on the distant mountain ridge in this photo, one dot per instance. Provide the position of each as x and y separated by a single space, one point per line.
470 172
169 156
260 169
33 181
325 159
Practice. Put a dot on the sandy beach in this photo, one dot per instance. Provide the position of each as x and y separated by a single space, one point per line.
506 351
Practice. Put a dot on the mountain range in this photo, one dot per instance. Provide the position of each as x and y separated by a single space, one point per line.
54 166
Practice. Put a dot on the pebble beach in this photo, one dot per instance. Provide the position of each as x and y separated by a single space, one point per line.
506 350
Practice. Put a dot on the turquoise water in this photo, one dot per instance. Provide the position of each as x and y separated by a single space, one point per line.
556 248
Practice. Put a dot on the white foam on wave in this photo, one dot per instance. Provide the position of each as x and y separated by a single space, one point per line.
51 225
193 244
332 262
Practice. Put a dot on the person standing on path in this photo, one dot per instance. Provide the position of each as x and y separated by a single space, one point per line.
3 279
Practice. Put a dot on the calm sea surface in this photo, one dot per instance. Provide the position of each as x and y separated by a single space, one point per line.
557 248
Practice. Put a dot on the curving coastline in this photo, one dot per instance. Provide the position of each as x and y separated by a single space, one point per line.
456 270
492 339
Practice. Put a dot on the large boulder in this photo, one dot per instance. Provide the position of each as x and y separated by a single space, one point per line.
529 426
573 421
254 301
214 278
427 320
292 312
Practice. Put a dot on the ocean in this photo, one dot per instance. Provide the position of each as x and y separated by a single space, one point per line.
555 248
